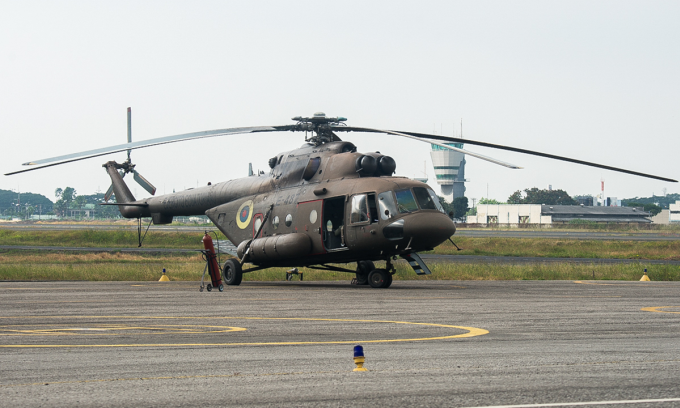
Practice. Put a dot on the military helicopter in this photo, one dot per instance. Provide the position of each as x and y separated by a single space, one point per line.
320 205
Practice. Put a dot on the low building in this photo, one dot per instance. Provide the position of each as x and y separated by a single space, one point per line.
674 215
539 214
662 217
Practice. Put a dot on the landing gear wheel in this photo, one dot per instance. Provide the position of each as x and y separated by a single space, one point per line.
388 283
379 278
209 287
232 272
363 269
221 288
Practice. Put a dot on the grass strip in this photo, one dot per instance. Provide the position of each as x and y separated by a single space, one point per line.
189 267
562 248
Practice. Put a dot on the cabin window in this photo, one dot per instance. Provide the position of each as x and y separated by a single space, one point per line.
387 206
405 201
424 198
275 222
289 220
312 216
359 209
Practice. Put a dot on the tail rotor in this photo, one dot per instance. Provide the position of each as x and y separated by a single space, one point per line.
128 167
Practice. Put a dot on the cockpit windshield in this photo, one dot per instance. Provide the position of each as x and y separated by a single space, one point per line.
424 198
436 200
405 201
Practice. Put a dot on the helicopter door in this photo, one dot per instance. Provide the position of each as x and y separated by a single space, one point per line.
309 222
333 223
363 218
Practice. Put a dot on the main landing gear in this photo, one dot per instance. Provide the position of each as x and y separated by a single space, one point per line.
232 271
367 274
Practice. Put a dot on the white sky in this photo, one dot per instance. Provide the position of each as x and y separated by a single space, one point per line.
597 81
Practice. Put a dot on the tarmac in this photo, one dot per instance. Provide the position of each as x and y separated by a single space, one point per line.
427 343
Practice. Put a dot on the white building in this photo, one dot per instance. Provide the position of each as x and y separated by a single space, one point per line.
509 214
674 215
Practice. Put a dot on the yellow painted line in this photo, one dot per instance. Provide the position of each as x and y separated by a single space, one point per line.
102 330
471 332
588 297
657 309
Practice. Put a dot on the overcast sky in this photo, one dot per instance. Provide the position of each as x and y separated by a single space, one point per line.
594 80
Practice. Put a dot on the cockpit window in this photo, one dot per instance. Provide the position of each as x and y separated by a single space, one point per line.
424 198
387 206
436 200
405 201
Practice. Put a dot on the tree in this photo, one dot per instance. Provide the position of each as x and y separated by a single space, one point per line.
66 197
653 209
536 196
489 201
460 207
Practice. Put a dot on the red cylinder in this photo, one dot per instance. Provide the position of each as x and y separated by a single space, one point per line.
214 269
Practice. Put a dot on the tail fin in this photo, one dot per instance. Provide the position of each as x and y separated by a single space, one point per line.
122 192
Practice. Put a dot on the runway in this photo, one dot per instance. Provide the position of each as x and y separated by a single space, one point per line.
427 343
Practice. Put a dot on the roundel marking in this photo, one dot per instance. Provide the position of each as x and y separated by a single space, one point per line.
244 214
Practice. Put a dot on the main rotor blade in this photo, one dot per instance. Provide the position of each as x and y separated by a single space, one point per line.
477 155
143 182
509 148
53 161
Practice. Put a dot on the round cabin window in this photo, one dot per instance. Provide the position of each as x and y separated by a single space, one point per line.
258 224
289 220
312 217
275 222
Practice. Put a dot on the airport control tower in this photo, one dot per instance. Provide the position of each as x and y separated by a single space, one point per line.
449 168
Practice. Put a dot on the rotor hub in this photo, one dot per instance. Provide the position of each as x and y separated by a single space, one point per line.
321 125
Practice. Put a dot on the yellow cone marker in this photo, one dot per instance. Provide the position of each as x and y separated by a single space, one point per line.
359 358
164 278
644 277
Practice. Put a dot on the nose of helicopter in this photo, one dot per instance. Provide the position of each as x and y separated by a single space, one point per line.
428 229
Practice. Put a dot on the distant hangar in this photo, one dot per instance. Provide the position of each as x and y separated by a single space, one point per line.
539 214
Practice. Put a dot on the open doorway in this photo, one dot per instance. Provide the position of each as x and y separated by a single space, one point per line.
333 222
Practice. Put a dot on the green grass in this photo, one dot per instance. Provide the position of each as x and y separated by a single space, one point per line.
99 238
34 265
563 248
20 265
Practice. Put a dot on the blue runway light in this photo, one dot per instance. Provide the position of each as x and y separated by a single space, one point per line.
359 358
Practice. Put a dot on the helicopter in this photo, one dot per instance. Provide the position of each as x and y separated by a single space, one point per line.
320 205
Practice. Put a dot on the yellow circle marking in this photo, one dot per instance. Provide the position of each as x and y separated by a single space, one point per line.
471 332
243 224
658 309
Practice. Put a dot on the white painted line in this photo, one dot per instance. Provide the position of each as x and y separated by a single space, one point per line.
573 404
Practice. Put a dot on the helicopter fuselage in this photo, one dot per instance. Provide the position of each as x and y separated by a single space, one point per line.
318 204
